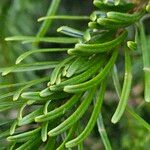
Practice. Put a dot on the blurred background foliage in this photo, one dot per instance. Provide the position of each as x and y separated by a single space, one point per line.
19 17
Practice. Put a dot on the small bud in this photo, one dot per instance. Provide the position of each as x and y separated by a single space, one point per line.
93 16
87 35
148 8
132 45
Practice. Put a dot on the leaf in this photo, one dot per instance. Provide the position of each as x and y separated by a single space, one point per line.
45 111
4 134
30 117
9 105
56 71
11 146
68 137
146 63
116 81
91 123
70 31
75 66
30 52
125 91
95 25
32 96
111 23
36 97
102 37
33 82
129 110
4 96
24 134
125 17
32 143
94 81
64 17
95 65
12 85
13 127
50 145
75 116
32 39
29 67
80 146
58 80
46 92
58 111
47 23
20 112
122 7
138 118
97 14
98 48
103 133
6 121
44 131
